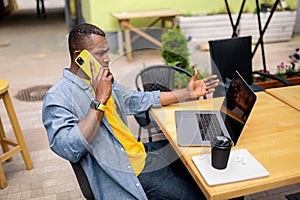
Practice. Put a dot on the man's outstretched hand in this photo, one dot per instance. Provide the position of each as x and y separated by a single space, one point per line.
202 87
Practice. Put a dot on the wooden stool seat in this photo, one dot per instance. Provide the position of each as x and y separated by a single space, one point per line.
19 145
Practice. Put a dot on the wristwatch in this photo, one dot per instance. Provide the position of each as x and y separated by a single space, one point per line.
97 105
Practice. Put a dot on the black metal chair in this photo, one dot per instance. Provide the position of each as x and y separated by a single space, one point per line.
229 55
158 77
83 181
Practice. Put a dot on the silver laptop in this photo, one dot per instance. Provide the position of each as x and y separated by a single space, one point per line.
197 127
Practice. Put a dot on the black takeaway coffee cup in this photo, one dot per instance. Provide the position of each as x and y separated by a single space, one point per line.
220 151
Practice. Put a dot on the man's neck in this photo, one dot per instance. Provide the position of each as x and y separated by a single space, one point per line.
75 70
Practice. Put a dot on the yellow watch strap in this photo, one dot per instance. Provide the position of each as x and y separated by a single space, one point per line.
102 107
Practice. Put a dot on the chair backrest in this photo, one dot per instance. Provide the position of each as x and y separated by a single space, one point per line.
83 181
161 77
229 55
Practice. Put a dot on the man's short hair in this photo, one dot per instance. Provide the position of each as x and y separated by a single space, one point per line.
80 36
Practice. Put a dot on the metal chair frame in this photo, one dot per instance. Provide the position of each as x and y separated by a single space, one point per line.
83 181
158 77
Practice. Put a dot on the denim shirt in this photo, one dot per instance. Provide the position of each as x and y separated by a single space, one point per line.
104 161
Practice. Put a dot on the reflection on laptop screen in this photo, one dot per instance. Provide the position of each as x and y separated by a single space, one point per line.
237 107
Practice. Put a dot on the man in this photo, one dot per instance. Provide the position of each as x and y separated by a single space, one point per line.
95 133
296 56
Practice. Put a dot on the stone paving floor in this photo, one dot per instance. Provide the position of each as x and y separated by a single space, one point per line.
35 55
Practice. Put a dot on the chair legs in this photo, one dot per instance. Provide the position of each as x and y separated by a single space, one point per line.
150 132
17 130
4 145
2 178
17 146
5 149
140 133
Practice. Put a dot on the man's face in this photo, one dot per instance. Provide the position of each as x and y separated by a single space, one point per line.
99 49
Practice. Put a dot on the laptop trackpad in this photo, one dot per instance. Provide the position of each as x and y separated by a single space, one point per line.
188 131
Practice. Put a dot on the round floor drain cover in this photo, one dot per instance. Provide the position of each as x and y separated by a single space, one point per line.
35 93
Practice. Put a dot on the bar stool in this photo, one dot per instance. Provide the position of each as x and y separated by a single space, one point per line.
19 145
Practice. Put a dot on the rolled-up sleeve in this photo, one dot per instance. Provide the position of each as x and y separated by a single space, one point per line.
134 101
64 135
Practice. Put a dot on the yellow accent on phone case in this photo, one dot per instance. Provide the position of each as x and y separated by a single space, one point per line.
83 61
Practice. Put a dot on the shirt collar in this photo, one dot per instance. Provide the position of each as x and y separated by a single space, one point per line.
75 79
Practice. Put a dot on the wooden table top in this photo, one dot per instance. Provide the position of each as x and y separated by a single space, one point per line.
290 95
271 135
146 13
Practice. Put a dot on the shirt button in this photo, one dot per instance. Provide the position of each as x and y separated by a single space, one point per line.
137 184
122 149
128 166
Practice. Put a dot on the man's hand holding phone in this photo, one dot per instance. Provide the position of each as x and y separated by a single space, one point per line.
100 77
101 83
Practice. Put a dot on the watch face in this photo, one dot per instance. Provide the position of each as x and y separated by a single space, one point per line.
94 104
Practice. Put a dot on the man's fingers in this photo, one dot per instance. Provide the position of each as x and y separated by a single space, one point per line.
214 83
210 77
93 70
194 77
214 76
195 72
107 74
211 81
211 90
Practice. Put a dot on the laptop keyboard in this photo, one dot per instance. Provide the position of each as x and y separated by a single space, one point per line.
209 125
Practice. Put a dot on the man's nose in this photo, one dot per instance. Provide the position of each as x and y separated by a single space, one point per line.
106 58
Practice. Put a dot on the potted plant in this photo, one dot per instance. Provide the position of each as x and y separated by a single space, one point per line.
175 52
286 71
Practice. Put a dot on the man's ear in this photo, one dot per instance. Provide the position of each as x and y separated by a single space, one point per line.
76 53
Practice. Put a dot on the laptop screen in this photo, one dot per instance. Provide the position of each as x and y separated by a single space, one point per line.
237 106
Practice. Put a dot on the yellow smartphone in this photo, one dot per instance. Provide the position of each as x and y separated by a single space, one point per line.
83 61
